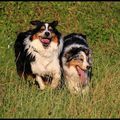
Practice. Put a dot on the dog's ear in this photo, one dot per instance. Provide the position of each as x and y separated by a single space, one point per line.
54 23
67 56
36 22
87 51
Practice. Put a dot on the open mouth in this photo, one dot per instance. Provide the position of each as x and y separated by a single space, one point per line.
45 41
82 75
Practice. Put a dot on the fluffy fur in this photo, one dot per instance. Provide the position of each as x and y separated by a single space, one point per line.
37 52
76 63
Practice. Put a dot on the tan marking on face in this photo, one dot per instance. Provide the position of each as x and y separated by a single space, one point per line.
74 63
35 36
55 39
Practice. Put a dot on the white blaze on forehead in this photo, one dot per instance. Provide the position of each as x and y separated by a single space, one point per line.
46 27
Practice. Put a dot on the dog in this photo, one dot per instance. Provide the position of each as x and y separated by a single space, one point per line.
37 54
76 63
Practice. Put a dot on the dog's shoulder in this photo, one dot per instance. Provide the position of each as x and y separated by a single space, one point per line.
22 35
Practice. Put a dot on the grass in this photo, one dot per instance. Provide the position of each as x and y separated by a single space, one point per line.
100 21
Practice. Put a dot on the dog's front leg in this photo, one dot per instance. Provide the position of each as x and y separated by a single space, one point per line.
55 81
40 82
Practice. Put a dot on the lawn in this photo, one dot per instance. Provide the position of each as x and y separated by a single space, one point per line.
100 22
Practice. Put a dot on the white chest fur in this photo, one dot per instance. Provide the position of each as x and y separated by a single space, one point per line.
46 60
44 65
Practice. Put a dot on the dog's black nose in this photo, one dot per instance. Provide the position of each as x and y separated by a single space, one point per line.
47 34
88 67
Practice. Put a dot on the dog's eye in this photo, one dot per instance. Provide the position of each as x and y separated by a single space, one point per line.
42 29
50 29
81 59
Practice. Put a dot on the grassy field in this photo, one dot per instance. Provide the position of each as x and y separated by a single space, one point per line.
100 21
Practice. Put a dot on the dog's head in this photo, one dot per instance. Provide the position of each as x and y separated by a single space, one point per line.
45 32
79 59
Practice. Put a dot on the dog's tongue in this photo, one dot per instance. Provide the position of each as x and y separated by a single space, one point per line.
81 74
46 41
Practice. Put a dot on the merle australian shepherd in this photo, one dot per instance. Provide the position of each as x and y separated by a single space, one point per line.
37 52
76 63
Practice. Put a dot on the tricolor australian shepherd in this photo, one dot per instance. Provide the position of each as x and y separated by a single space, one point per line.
37 52
76 62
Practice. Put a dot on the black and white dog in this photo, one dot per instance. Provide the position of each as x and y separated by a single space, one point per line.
37 53
76 63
